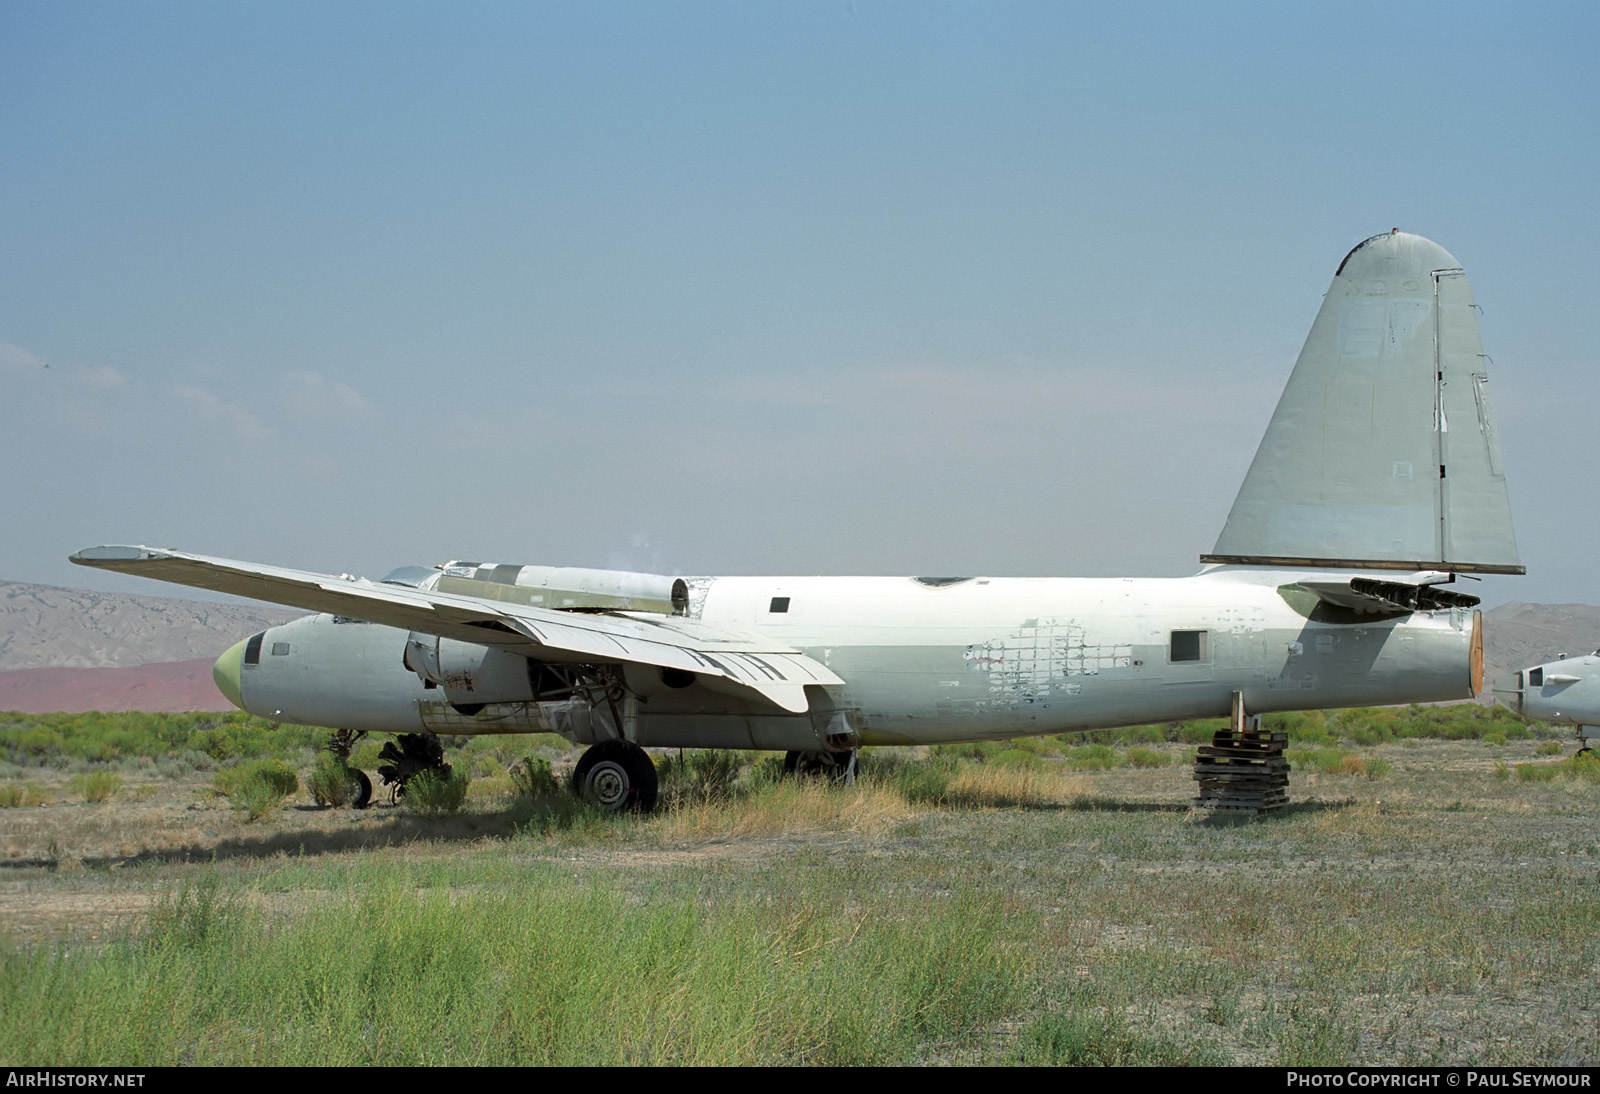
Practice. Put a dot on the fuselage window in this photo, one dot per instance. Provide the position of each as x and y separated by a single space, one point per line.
1536 678
1188 646
779 604
280 649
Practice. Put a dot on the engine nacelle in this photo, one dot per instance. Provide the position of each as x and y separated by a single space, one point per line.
469 673
568 588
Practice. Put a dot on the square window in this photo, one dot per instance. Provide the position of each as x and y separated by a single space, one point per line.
280 649
1536 677
779 604
1188 646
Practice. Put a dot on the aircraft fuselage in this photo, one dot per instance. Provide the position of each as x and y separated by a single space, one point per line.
925 660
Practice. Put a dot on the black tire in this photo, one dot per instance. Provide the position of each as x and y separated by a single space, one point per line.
360 789
617 776
816 765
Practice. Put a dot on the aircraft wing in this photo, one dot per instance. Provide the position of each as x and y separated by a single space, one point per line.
774 671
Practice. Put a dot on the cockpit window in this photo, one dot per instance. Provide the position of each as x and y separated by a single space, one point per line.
1536 678
414 576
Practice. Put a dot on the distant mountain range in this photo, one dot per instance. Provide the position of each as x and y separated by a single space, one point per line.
1517 635
71 650
42 626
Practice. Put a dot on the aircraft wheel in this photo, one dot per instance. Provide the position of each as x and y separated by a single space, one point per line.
816 765
617 776
1585 751
360 789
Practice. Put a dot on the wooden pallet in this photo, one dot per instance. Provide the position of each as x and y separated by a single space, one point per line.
1240 771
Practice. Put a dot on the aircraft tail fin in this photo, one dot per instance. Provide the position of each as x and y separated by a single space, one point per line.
1382 452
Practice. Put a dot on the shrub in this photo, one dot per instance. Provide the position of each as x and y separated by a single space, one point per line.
1583 766
702 774
1327 761
21 797
922 784
330 780
1092 758
532 777
1197 733
1496 738
1137 735
433 793
1145 757
258 787
1022 757
96 786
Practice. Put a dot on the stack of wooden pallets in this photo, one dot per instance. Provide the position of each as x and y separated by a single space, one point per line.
1243 771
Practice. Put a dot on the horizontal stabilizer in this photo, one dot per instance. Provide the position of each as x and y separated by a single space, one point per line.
768 670
1382 452
1371 596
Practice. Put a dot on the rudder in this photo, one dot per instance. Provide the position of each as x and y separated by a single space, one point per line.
1382 451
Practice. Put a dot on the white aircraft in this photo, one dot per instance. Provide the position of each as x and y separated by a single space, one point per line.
1378 481
1565 691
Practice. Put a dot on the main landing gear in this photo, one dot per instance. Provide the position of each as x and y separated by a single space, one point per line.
838 767
406 757
617 776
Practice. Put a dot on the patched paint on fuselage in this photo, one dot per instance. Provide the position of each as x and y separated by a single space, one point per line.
1001 657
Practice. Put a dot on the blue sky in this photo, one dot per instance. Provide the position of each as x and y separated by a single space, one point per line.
787 288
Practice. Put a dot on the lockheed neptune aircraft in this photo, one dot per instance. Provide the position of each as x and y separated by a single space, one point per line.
1565 692
1378 481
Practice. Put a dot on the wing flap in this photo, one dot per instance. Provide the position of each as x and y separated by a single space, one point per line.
772 670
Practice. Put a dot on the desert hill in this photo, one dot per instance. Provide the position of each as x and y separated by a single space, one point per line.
1517 635
42 626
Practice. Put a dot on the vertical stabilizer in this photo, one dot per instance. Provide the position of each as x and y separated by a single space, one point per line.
1382 452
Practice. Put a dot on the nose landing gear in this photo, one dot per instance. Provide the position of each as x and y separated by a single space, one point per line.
358 792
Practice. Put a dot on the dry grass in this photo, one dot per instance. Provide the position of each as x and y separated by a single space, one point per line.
986 787
1440 914
789 807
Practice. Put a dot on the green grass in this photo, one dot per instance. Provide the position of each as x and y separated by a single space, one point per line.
536 973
